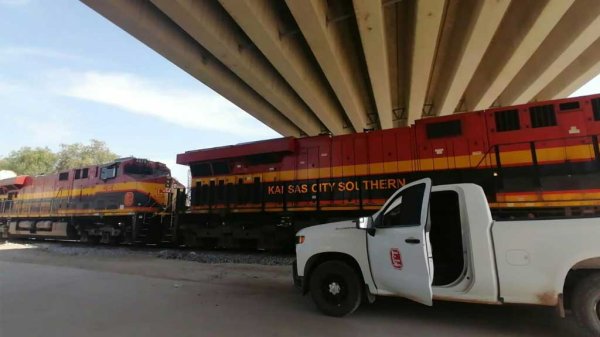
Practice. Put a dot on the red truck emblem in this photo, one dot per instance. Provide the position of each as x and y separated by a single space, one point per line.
396 258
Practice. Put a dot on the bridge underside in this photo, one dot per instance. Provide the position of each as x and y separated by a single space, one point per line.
305 67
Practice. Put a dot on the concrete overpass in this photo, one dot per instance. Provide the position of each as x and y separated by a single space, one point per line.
304 67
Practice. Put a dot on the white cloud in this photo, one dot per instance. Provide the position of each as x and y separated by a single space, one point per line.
36 52
26 108
8 87
48 129
197 109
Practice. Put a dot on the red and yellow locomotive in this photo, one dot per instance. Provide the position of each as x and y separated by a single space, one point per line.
534 160
128 200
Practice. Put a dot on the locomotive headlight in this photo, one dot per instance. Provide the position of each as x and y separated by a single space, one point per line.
299 239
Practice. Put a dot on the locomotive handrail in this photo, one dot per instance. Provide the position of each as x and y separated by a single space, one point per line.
52 202
527 142
484 156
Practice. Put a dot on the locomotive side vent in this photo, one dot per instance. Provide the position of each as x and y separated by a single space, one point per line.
444 129
569 106
542 116
596 108
507 120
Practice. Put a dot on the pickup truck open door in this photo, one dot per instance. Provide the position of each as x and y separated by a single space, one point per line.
398 245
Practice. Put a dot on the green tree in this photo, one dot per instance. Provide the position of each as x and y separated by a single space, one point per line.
29 161
78 155
36 161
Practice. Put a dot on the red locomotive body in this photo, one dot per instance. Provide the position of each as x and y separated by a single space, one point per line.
536 160
125 200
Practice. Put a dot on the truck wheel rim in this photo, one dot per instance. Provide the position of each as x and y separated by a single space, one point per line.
334 290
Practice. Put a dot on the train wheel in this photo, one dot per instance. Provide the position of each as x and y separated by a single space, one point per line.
191 240
113 240
84 238
89 239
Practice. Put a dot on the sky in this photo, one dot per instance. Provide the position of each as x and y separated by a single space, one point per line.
69 75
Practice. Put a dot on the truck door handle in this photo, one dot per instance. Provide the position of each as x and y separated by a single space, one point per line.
412 241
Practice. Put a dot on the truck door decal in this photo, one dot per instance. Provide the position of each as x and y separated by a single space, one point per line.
396 258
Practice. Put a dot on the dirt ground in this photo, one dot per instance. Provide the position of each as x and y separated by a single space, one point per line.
48 293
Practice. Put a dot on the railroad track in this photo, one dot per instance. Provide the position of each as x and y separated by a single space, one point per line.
173 253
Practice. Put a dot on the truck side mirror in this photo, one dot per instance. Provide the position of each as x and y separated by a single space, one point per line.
363 223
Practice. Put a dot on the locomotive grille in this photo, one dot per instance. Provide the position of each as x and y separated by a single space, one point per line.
596 108
542 116
444 129
507 120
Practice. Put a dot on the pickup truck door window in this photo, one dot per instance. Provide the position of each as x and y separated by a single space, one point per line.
398 250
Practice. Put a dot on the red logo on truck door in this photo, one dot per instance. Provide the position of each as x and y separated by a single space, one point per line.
396 258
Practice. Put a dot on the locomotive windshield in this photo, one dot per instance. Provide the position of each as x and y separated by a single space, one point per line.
138 168
108 172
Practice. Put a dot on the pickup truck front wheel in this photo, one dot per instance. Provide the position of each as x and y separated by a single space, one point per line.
586 303
336 289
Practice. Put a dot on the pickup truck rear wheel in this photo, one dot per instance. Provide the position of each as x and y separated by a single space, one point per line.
586 303
336 289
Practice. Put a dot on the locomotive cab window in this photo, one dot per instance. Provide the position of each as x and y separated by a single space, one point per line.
78 174
63 176
108 172
444 129
84 173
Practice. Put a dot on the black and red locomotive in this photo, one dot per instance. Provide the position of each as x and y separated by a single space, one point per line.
535 160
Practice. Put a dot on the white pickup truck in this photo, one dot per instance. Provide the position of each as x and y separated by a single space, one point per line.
441 243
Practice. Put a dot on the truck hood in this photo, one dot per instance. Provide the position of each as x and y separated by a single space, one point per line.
329 228
340 237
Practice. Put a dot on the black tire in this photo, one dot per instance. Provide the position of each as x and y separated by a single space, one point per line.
296 278
336 288
586 303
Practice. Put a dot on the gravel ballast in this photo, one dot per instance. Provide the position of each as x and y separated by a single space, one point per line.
201 256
